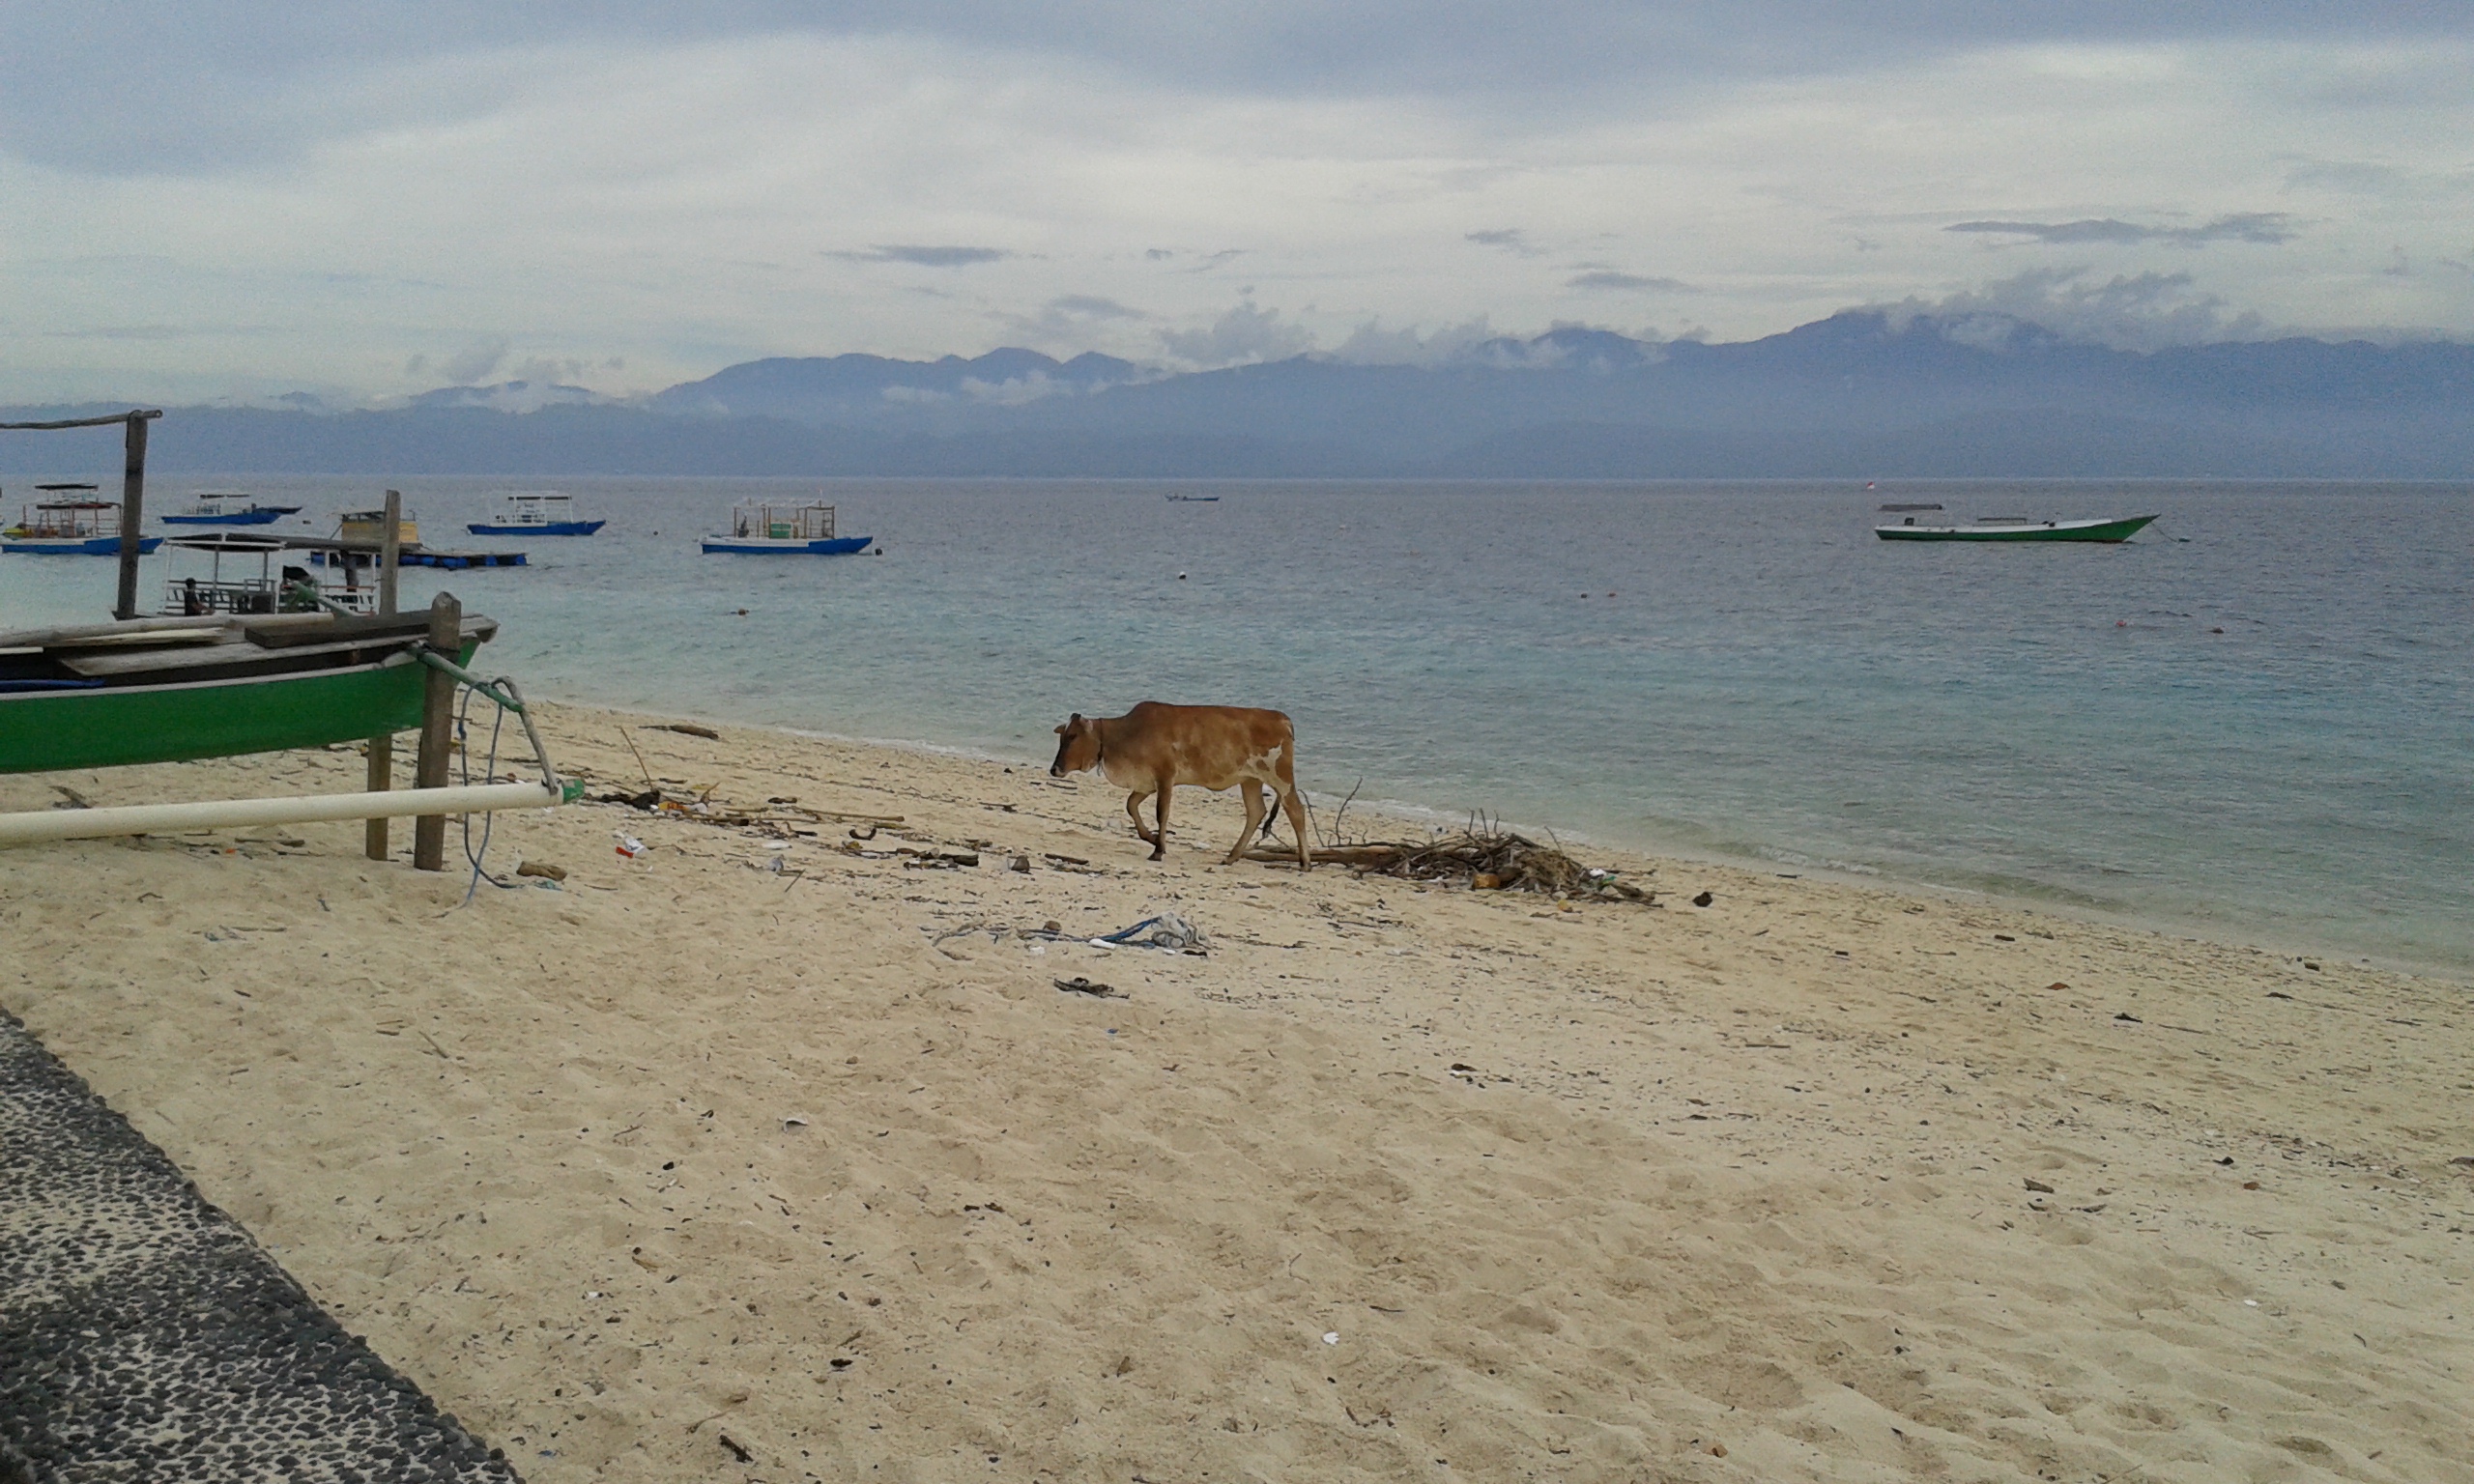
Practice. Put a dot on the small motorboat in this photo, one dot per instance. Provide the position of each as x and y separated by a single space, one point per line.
2016 528
760 530
69 528
535 513
228 507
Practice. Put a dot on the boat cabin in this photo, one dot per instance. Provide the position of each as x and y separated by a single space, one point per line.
1905 509
67 520
229 587
535 507
757 521
371 525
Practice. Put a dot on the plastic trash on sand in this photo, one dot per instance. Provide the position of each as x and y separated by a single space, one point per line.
1168 931
630 848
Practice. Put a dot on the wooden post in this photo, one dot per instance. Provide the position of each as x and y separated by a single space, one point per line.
132 513
438 716
382 750
391 555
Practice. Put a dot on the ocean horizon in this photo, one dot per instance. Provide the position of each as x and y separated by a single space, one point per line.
2251 723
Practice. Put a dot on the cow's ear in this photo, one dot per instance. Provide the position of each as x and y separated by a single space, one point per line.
1062 730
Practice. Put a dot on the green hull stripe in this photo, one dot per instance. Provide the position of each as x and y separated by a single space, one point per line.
114 727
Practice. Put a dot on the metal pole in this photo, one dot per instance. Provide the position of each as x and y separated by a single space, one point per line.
382 750
132 514
438 716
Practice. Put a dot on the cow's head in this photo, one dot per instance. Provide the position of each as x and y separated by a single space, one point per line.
1078 746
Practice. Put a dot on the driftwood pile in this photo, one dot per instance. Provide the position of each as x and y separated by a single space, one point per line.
1485 859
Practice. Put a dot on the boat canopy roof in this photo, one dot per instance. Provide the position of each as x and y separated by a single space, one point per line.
68 486
1903 508
231 541
79 504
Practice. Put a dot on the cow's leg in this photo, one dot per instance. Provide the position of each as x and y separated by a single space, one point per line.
1134 812
1296 808
1160 843
1252 792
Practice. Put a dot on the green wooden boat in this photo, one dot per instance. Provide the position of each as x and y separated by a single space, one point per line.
168 690
2016 529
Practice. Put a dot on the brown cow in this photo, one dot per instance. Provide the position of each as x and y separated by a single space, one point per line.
1153 748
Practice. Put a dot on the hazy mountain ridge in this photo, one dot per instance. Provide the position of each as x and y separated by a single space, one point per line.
1865 393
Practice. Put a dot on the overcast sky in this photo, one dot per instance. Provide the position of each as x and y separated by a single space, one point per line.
209 200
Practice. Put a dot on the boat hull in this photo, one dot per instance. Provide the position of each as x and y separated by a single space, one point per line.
760 546
84 546
105 727
261 516
2043 530
541 529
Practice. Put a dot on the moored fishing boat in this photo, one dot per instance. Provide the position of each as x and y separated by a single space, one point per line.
2017 528
69 528
228 507
171 689
536 513
759 530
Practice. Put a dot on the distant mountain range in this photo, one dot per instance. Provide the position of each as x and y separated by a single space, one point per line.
1863 394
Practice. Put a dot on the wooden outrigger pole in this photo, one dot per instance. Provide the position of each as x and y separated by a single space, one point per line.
132 490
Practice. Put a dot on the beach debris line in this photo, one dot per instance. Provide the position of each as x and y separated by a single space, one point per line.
1485 858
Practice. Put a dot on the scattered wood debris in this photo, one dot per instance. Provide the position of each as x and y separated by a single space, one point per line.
1487 859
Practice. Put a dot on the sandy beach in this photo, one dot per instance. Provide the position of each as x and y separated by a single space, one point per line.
773 1154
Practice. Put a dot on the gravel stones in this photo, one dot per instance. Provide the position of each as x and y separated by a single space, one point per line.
145 1335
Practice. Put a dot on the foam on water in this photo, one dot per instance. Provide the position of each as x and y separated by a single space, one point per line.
1766 681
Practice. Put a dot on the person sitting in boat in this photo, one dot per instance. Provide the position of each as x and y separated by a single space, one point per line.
191 605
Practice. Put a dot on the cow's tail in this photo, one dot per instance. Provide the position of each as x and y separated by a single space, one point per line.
1271 816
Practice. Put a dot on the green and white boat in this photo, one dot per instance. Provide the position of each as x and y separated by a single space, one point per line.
171 689
2016 528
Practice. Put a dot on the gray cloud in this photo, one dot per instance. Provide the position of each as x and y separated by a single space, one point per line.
922 256
1371 344
1509 239
2130 312
1091 306
1243 335
197 84
2268 228
1609 278
473 362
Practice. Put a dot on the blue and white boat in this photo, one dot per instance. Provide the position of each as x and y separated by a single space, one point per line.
760 530
228 507
535 513
69 528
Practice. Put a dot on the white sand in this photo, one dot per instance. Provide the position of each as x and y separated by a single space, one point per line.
1750 1178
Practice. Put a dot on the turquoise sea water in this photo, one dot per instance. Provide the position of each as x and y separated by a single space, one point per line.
1731 671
